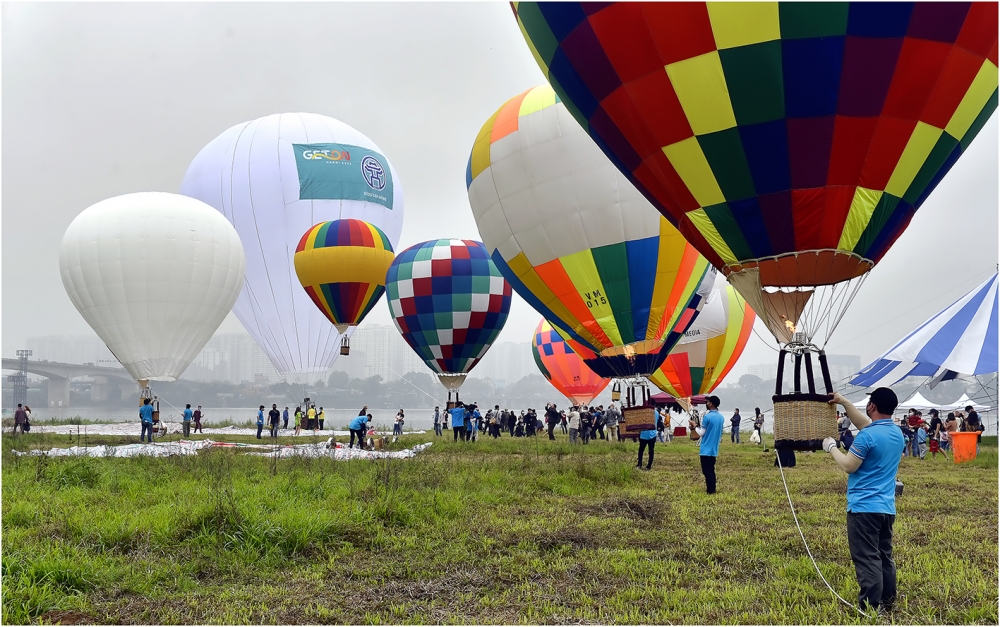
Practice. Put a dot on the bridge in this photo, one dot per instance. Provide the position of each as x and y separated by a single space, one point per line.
59 376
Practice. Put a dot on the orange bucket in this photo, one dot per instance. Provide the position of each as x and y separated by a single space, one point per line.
963 445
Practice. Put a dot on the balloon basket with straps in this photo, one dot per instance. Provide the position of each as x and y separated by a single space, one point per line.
802 420
636 416
345 346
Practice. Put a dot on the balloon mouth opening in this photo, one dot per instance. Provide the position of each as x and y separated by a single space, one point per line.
452 381
631 351
804 268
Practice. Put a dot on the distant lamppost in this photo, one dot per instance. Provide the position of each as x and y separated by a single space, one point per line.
20 380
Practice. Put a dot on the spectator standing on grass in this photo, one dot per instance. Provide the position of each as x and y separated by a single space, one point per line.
320 416
573 420
357 428
563 424
311 418
146 418
20 418
934 430
920 437
458 421
260 421
611 418
647 438
472 424
397 425
437 420
298 420
274 419
284 419
758 424
552 418
711 424
198 415
186 420
734 435
973 423
871 466
586 424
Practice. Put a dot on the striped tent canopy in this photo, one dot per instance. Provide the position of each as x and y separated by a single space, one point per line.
962 339
791 139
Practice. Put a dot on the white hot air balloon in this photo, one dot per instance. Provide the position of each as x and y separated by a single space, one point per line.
154 275
274 178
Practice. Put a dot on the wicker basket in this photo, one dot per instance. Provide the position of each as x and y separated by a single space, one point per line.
637 419
802 421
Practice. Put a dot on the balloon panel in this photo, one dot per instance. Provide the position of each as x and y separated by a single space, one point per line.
574 237
699 367
154 275
342 265
563 368
448 301
766 129
274 178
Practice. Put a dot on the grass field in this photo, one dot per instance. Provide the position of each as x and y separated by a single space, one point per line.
513 531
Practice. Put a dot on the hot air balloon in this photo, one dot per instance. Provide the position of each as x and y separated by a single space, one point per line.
563 368
791 143
449 303
342 265
578 242
154 275
699 367
274 178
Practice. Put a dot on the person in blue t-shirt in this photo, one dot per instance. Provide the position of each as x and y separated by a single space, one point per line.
357 427
186 420
146 417
871 465
648 438
260 421
711 433
458 421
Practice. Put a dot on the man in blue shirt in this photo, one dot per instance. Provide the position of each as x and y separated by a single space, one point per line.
458 421
871 465
711 424
146 417
284 419
357 427
260 421
648 438
187 420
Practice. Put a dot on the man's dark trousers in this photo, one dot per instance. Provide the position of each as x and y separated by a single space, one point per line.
708 469
869 537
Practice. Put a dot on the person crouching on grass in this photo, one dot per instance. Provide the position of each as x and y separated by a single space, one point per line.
357 427
871 465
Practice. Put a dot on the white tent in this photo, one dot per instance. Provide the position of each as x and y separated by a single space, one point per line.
917 401
965 400
863 403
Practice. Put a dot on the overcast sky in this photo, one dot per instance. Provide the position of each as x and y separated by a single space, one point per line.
106 99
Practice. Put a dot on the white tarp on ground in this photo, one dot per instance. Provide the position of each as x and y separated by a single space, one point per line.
133 428
191 447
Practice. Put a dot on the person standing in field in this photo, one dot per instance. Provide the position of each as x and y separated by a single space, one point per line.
758 424
611 418
186 420
458 421
146 418
320 416
734 435
311 418
437 420
20 418
284 419
274 418
260 421
298 420
647 438
198 414
574 423
871 465
711 424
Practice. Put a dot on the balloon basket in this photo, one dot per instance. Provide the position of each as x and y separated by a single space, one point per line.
803 421
616 392
636 420
345 347
963 445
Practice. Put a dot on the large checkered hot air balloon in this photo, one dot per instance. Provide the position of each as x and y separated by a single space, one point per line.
341 265
578 242
790 142
449 302
563 368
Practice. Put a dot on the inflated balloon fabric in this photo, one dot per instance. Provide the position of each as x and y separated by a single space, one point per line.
342 265
764 130
154 275
274 178
448 301
563 368
576 239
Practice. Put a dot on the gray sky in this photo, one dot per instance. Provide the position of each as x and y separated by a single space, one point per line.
106 99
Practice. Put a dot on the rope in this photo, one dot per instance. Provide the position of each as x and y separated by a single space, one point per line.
806 544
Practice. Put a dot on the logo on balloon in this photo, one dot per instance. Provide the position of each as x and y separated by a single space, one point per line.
373 172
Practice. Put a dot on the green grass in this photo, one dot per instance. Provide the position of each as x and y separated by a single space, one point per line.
514 531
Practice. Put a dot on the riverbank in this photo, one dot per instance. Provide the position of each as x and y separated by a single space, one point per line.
511 531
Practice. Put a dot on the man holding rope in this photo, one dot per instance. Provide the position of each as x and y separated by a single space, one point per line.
871 465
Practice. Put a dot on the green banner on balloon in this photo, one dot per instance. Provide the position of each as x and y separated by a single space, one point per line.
342 172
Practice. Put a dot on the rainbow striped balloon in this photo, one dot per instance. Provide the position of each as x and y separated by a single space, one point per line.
577 241
699 367
342 265
563 368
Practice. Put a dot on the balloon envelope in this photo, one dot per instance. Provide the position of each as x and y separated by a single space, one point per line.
449 302
154 275
274 178
577 241
563 368
763 130
699 367
342 265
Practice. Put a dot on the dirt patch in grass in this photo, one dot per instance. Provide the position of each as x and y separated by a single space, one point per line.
66 617
633 509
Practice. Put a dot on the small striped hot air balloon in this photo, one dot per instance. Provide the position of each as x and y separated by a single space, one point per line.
342 265
563 368
699 367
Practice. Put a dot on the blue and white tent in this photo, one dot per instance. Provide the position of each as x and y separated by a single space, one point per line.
962 339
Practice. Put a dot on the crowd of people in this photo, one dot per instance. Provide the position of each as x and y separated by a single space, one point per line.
581 423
